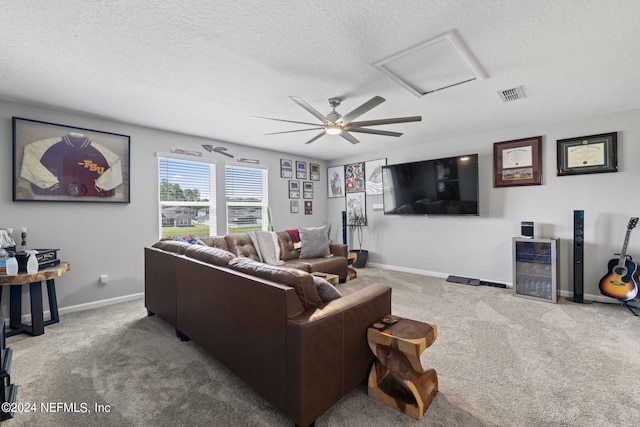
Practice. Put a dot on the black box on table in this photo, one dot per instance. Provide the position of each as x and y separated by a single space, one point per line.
46 258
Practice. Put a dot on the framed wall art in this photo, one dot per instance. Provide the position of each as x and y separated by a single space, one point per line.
294 189
373 174
293 206
354 177
356 208
308 207
588 154
60 163
286 168
307 190
314 172
335 181
517 162
301 170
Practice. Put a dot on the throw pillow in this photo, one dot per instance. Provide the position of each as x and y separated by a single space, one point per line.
315 242
326 290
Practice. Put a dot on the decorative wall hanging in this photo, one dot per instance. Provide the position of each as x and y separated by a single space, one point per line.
314 172
308 207
356 208
250 161
301 170
354 177
294 189
588 154
335 181
307 190
220 150
517 162
60 163
373 174
293 206
286 168
184 152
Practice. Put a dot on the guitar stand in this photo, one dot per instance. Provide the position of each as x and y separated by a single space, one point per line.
626 304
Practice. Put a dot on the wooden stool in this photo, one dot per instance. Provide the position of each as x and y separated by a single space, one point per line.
397 377
351 272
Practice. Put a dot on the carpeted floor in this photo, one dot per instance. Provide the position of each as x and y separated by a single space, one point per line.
501 361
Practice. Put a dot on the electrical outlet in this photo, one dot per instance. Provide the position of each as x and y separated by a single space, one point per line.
104 279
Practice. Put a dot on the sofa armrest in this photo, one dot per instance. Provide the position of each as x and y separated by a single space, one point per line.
327 350
339 249
160 283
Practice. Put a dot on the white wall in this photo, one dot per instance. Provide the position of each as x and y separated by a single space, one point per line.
105 238
480 247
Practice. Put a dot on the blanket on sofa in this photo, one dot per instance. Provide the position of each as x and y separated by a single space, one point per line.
267 247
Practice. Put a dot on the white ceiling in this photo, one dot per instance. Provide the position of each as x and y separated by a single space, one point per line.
203 67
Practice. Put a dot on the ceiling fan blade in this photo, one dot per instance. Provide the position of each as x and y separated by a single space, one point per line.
292 131
282 120
386 121
349 137
373 102
321 134
374 131
310 109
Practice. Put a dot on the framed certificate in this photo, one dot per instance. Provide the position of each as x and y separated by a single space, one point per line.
588 154
517 162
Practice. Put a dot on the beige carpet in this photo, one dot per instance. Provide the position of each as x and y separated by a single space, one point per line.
501 361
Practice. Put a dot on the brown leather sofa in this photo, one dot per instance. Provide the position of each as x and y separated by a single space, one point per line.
266 323
241 245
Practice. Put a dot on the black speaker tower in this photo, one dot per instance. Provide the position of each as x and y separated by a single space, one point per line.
578 258
344 227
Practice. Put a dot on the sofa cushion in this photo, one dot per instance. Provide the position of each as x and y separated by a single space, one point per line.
215 242
287 250
326 290
315 242
241 245
209 255
175 246
301 281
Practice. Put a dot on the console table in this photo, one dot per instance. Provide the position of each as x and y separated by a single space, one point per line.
397 377
15 281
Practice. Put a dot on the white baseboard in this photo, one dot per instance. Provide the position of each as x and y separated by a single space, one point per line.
408 270
85 306
566 294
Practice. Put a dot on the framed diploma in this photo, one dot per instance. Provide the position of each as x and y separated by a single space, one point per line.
517 162
588 154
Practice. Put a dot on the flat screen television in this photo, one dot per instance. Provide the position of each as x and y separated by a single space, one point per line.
447 186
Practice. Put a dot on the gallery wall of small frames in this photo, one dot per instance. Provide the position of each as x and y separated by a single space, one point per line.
300 183
354 182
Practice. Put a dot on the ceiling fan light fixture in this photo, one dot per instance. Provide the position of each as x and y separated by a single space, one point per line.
333 130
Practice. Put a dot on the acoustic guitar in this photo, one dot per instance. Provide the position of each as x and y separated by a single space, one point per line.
620 282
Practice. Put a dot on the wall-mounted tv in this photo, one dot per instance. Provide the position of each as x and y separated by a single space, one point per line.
447 186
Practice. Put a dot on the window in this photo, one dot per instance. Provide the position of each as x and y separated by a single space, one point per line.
247 201
186 197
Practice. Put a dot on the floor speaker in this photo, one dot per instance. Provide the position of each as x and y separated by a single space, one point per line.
578 258
344 227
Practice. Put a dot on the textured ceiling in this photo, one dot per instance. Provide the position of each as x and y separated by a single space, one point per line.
203 67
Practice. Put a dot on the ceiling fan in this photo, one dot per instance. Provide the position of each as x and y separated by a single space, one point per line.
336 124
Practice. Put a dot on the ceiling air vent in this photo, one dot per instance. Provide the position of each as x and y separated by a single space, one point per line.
511 94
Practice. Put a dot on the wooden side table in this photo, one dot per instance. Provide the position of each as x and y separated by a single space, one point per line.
334 279
397 377
351 272
35 295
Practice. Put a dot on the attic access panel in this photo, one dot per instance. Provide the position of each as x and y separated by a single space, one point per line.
431 66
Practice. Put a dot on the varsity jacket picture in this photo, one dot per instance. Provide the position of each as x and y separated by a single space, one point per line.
71 165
